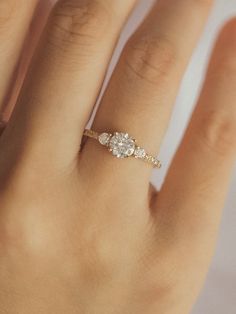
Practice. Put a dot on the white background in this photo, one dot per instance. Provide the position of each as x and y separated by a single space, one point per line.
219 294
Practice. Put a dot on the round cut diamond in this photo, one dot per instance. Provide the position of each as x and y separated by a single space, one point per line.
139 152
104 138
121 145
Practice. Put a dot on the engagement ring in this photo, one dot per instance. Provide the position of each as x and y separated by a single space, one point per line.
121 145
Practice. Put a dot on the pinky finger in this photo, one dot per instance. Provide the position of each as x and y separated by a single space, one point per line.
198 179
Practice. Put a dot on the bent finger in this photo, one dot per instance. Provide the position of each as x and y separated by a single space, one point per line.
142 91
195 189
65 77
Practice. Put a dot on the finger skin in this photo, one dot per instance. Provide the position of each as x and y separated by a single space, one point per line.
30 43
141 94
66 76
144 86
190 202
15 17
2 126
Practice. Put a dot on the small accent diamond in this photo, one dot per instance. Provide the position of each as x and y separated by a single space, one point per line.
156 162
139 152
104 138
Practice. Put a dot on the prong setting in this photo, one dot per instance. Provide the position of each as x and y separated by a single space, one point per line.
122 145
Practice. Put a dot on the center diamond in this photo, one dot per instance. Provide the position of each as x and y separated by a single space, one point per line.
121 145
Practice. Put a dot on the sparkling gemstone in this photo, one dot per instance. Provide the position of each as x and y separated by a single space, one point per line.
156 161
104 138
140 152
121 145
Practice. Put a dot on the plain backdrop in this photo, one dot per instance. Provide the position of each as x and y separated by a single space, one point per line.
219 293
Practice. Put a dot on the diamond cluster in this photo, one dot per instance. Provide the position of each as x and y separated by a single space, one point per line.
122 146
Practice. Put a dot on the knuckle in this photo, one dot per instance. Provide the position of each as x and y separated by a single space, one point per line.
151 59
94 267
218 132
78 22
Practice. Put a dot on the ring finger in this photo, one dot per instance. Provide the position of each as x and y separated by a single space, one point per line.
143 88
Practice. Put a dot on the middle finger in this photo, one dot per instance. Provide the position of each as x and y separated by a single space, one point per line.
64 79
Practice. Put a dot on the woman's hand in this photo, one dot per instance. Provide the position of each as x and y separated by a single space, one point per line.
84 232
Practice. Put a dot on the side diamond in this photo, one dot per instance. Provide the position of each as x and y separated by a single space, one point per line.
104 138
139 152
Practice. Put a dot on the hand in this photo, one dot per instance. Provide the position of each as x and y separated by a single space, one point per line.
85 232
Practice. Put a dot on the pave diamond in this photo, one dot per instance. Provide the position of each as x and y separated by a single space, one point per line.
104 138
139 152
122 145
156 162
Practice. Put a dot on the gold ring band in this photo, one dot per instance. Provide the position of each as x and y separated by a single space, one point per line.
121 145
